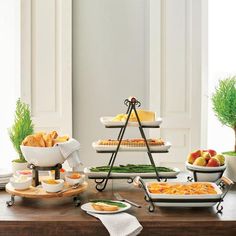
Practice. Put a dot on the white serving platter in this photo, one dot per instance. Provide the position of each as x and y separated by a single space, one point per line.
197 203
91 174
125 148
88 208
107 121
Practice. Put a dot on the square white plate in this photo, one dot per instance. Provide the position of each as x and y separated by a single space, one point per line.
125 148
107 121
89 173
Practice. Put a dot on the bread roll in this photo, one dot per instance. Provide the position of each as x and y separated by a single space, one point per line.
100 206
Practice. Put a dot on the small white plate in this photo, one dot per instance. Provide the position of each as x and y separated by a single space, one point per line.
4 173
88 207
107 121
4 180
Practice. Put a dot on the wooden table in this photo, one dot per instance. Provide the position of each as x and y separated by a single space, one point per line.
60 217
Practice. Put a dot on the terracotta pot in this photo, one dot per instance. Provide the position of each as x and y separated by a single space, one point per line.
230 171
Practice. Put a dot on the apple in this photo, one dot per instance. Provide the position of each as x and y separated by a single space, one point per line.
206 155
220 158
193 156
213 162
200 161
211 151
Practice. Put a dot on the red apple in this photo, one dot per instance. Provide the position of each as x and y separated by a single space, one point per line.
193 156
213 162
196 154
211 151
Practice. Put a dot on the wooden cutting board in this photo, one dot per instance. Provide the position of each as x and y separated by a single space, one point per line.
38 192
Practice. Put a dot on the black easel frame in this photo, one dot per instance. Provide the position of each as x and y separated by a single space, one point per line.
131 103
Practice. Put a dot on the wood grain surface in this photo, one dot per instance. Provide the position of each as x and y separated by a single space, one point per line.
60 216
40 193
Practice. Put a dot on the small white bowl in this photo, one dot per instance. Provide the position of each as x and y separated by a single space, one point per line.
21 185
73 181
27 173
207 174
53 188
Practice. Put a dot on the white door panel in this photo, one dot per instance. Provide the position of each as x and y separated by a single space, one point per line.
46 63
176 76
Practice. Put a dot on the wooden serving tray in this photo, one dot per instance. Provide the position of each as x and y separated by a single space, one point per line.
39 192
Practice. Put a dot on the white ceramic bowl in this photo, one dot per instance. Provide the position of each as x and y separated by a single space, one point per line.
73 181
42 156
53 188
27 173
205 177
21 185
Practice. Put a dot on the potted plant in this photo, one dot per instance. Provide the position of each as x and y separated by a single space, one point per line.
224 106
21 128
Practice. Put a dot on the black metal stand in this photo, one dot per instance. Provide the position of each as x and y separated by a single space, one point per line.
222 184
129 179
36 169
195 172
131 104
11 202
77 201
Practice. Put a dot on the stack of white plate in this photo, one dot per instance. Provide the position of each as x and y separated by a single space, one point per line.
5 176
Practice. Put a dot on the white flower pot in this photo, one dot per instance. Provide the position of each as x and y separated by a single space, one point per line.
230 171
19 166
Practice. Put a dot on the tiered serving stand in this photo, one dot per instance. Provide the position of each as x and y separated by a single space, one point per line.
101 181
37 192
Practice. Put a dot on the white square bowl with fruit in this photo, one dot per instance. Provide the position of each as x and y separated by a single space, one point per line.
205 165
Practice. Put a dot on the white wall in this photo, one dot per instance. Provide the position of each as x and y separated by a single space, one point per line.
149 49
222 49
108 66
9 74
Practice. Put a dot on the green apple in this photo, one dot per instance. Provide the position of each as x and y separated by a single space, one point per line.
220 158
206 155
200 161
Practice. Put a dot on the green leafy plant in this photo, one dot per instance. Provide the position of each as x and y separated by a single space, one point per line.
224 103
22 127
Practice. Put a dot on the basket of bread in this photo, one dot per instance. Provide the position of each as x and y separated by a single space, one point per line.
41 149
